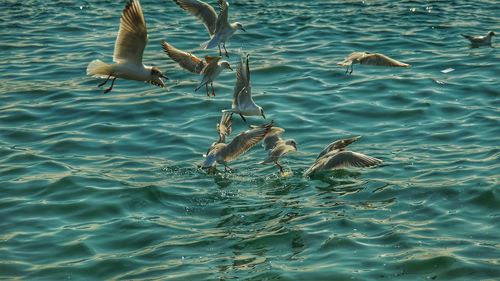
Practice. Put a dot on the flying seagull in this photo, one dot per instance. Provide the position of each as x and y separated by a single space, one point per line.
369 59
129 48
335 156
217 25
243 103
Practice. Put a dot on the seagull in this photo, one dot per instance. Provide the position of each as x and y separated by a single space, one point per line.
217 26
129 48
277 147
223 153
243 103
334 156
478 40
211 71
370 59
186 60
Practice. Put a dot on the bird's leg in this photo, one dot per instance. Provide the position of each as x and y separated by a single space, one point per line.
352 68
105 81
279 166
244 120
206 87
213 90
225 50
346 70
220 51
110 88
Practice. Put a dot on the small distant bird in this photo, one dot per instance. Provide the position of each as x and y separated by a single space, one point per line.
211 71
218 26
335 156
243 103
477 40
370 59
276 147
129 48
222 153
186 60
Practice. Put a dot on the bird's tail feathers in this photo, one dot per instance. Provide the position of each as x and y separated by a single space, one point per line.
214 41
204 45
99 69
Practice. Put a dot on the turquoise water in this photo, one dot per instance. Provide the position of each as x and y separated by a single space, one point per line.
98 186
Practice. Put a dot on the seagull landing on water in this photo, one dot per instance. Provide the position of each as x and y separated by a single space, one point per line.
129 48
335 156
222 153
217 25
211 71
243 103
478 40
276 147
370 59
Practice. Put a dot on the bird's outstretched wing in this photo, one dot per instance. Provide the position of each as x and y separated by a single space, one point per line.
132 35
381 60
202 11
186 60
243 142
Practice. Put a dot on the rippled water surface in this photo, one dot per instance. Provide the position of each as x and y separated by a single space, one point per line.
98 186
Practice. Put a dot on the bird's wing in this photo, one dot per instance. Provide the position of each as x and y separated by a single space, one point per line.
223 15
245 97
346 159
243 142
350 58
186 60
240 83
272 138
202 11
337 145
132 36
381 60
224 127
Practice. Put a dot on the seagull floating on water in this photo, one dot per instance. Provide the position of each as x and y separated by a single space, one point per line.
222 153
211 71
217 25
477 40
243 103
276 147
335 156
129 48
186 60
370 59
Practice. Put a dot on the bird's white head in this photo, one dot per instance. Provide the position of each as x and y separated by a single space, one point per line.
225 65
292 143
156 75
238 25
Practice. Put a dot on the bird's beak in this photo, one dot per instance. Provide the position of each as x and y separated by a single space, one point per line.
263 115
230 68
243 29
164 76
